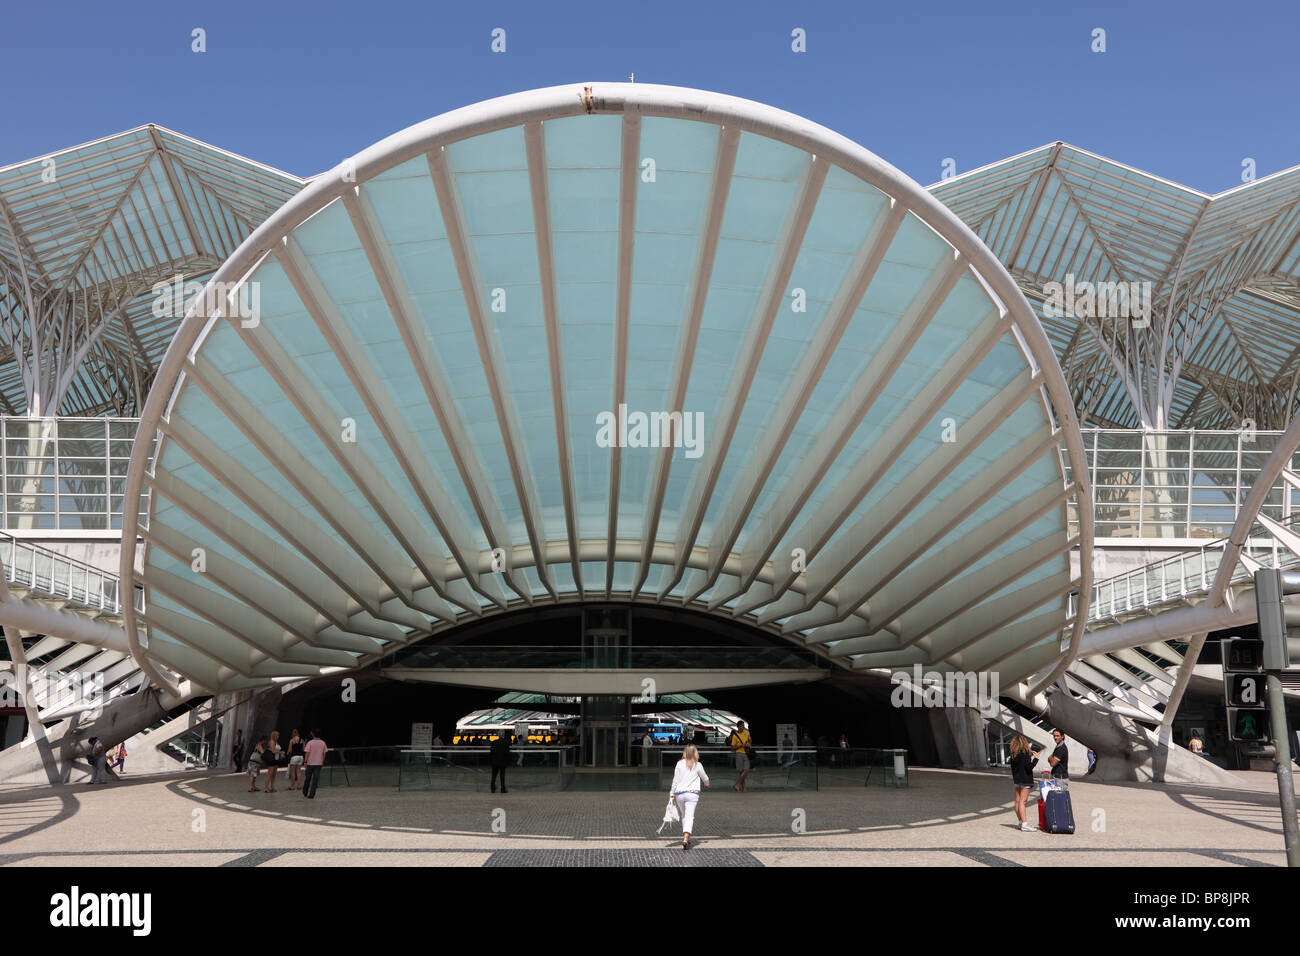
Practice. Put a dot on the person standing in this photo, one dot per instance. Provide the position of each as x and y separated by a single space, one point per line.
521 738
314 751
1022 777
98 762
1060 758
237 750
296 753
688 777
254 763
499 754
271 757
647 743
741 741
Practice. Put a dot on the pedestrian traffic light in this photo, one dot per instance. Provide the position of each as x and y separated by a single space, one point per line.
1247 725
1242 655
1279 622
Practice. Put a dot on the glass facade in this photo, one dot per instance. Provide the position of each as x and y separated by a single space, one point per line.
1179 484
66 474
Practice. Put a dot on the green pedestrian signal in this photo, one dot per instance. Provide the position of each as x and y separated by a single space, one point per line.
1247 725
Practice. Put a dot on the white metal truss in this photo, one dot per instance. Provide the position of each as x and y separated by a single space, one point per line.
1221 343
94 240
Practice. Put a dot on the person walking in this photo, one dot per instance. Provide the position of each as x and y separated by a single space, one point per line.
741 741
237 750
499 754
296 754
1060 758
118 758
1022 777
314 752
688 777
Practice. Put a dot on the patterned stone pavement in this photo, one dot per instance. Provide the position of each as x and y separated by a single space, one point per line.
946 818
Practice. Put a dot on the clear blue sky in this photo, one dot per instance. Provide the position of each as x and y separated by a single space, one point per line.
1185 90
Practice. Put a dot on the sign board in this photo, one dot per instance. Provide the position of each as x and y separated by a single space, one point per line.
421 736
1242 655
1245 690
1247 725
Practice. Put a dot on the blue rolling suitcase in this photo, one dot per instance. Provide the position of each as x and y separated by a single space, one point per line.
1055 812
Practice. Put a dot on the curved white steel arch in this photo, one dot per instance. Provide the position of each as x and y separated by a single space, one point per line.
378 587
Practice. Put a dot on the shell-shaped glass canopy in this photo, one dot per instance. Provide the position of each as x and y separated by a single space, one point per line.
607 343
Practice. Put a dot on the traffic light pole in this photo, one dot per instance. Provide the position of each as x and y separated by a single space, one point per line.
1282 754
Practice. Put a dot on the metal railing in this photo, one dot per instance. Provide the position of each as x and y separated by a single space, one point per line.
1183 575
33 568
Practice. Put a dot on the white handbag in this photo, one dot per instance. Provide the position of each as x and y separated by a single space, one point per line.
671 815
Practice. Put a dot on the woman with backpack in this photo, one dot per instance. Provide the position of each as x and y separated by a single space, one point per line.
1022 776
688 776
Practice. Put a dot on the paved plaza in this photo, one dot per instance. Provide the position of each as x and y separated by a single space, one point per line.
945 818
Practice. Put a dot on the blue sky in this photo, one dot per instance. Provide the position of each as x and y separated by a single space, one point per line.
1185 90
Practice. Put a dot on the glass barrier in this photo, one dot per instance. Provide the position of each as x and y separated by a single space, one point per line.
360 767
800 768
540 768
470 768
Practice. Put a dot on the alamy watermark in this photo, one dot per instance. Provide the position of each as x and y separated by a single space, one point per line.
174 297
978 689
1099 300
626 429
84 692
75 909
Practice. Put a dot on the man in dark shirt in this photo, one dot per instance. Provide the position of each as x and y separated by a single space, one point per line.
1060 758
500 759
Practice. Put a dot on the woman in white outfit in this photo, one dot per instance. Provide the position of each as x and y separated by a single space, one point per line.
687 779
